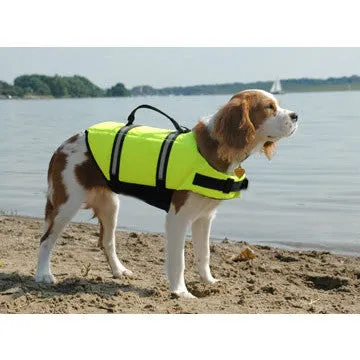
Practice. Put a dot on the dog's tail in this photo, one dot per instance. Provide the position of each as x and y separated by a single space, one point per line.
49 207
50 174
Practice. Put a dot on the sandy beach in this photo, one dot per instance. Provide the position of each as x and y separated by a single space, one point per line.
275 281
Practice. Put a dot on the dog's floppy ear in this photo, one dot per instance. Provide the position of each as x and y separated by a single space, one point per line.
233 128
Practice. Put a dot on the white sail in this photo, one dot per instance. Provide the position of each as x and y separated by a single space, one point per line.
276 87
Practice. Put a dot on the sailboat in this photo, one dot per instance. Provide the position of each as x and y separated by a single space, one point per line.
276 87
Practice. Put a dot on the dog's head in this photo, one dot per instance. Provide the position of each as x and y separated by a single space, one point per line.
252 119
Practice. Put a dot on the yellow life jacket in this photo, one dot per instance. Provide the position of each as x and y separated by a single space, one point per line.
150 163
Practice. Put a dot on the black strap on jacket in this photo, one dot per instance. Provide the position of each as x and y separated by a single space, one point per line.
226 186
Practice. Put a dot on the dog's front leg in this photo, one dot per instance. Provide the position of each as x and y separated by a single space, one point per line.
200 236
176 226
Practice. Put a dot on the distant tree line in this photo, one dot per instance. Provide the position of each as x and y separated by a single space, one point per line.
58 87
288 85
35 85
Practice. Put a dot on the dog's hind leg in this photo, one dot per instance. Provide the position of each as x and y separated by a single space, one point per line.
64 198
106 207
52 231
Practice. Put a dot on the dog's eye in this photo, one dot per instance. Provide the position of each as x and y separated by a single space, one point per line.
271 106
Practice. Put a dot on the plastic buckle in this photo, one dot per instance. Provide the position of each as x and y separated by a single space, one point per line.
245 184
228 185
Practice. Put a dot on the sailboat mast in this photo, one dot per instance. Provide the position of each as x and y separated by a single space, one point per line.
276 87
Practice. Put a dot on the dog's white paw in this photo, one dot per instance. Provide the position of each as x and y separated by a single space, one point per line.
124 272
183 295
209 280
45 278
128 273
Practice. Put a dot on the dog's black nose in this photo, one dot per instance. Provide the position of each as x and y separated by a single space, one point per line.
293 117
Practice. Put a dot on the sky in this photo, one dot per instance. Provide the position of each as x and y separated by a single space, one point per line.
179 66
161 44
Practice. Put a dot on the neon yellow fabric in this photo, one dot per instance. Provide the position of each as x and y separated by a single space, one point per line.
100 140
185 160
140 154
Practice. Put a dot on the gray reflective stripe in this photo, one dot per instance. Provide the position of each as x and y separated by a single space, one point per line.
116 148
164 154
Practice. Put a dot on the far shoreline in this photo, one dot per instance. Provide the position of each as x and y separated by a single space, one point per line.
41 97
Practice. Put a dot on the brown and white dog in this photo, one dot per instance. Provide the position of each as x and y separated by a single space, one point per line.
251 121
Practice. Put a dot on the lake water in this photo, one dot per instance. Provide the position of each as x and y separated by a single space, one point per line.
307 197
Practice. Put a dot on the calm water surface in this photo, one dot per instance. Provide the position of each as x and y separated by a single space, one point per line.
308 196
